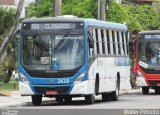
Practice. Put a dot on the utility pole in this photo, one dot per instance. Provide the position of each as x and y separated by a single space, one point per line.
102 10
57 4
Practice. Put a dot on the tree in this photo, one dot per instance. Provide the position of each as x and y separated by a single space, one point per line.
80 8
9 63
147 16
13 30
43 8
9 37
57 6
6 19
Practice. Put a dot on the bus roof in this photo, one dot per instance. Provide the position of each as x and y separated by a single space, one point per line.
89 22
150 32
105 24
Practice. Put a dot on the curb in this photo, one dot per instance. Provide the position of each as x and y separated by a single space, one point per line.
5 93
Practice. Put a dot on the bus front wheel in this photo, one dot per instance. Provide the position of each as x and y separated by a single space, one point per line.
157 90
145 90
89 99
37 99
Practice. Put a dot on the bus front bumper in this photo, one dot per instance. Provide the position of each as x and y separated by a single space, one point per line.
141 81
82 88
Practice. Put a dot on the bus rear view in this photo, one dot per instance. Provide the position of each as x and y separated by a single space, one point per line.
148 61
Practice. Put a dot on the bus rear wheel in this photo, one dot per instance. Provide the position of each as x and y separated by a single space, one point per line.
37 100
89 99
115 94
105 97
145 90
157 90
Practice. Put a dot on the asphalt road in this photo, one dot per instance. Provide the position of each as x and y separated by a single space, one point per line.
132 101
129 101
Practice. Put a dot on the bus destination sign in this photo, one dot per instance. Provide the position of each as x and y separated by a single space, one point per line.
149 37
152 36
50 26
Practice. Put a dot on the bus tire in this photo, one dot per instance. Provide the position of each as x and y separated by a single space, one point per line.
115 94
157 90
105 97
68 99
37 100
59 99
89 99
145 90
97 85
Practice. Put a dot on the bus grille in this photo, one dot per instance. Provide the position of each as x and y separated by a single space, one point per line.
154 82
60 90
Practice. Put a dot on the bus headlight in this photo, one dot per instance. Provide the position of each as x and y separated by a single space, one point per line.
140 74
80 78
23 78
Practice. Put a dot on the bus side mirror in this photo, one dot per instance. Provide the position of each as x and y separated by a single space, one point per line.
91 42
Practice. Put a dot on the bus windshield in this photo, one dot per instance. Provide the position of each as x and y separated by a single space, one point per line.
52 51
149 53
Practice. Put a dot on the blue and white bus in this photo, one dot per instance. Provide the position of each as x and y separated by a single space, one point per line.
66 57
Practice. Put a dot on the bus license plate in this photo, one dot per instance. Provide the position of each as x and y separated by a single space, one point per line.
51 92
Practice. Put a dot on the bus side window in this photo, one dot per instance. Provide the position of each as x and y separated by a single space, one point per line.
97 42
127 41
123 44
102 39
105 42
108 43
111 42
118 42
100 42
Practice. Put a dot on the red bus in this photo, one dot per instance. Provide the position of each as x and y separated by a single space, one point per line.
148 61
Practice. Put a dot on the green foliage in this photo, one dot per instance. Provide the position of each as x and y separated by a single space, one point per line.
6 19
137 18
117 13
44 8
8 64
12 85
147 16
80 8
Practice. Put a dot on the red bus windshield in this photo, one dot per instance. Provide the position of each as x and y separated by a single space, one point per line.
149 52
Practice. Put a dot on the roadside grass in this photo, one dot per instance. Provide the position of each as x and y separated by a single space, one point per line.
12 85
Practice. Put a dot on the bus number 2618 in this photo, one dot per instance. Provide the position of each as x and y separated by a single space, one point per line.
62 81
